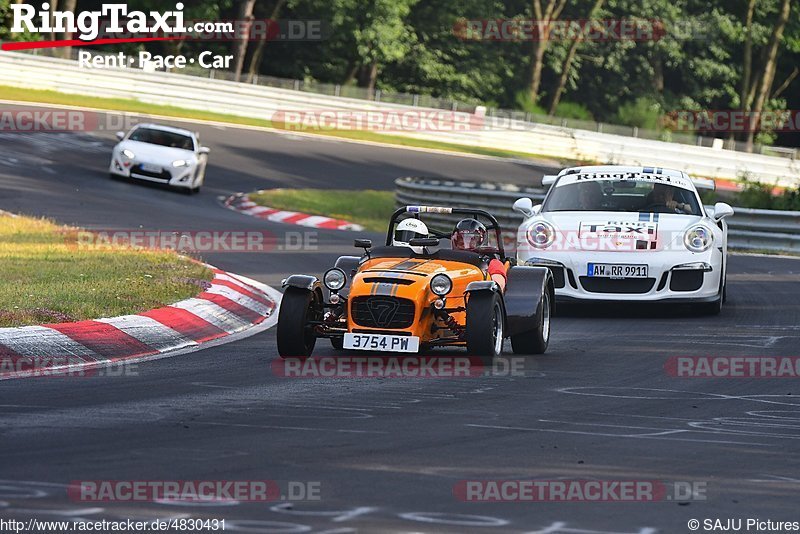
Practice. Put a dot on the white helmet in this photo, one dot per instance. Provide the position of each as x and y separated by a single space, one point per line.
407 230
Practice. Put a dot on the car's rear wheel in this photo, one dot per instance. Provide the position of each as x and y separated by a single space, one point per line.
485 326
337 343
535 341
296 337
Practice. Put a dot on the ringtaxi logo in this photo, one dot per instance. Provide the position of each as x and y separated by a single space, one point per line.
86 24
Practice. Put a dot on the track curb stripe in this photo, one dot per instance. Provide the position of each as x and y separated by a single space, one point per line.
241 202
228 306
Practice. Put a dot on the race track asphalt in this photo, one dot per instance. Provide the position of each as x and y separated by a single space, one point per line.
387 453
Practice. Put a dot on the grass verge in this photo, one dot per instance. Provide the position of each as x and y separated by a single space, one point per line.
49 278
135 106
369 208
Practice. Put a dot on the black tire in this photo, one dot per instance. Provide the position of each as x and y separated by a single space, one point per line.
337 343
484 312
296 338
535 341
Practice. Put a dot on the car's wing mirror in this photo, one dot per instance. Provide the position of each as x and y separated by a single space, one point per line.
524 205
363 243
537 208
722 210
120 135
424 242
204 150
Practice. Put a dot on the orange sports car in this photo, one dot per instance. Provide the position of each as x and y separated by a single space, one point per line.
416 297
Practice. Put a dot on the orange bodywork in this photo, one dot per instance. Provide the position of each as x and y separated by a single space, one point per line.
408 304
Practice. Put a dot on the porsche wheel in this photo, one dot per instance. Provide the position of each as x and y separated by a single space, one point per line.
536 340
296 338
485 326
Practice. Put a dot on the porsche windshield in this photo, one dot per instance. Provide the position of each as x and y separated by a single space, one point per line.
622 195
163 138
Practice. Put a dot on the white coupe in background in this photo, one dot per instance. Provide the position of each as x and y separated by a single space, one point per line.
619 233
161 154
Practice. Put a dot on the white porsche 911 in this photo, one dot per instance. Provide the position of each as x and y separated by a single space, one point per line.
162 154
619 233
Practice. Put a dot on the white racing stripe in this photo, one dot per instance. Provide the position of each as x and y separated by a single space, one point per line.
40 341
239 283
244 300
214 314
313 220
256 210
150 332
281 215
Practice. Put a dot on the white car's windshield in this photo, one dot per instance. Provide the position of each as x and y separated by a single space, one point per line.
622 195
163 138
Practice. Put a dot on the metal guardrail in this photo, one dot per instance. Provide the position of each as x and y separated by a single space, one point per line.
748 229
490 132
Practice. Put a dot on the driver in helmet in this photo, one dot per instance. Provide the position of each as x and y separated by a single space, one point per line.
407 230
470 234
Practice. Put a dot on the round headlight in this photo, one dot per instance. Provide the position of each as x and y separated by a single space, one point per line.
128 154
334 279
180 163
441 285
541 234
698 238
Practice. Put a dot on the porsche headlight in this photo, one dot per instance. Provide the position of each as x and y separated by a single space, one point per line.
128 154
441 285
180 163
334 279
541 234
698 238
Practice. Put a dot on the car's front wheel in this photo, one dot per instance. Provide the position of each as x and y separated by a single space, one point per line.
485 325
536 340
296 337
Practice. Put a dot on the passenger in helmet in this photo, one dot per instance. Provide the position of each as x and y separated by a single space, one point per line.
470 234
407 230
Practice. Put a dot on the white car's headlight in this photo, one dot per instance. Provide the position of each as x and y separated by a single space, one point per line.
698 238
180 163
441 285
541 234
128 154
334 279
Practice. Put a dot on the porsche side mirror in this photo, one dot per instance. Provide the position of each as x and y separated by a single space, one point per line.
363 243
120 135
524 205
722 210
204 150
